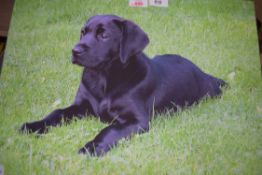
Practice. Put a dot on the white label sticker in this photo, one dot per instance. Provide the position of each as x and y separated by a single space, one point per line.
138 3
159 3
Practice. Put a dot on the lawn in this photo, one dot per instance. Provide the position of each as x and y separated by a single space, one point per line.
218 136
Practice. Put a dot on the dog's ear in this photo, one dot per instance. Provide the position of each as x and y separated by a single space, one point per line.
133 40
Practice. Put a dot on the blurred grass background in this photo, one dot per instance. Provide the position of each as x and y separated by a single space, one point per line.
221 136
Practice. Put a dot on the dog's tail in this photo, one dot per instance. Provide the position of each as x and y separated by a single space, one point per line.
221 83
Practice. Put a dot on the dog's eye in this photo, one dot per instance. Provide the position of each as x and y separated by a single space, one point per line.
104 35
85 31
101 33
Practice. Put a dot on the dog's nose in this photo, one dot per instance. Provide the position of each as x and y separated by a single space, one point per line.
79 48
76 50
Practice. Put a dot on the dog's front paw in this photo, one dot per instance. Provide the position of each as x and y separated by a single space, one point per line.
36 127
89 148
93 149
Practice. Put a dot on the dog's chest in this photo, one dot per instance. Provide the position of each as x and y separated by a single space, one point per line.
101 85
103 93
106 112
95 83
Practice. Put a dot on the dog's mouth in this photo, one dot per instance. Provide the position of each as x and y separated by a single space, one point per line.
76 60
97 65
73 60
77 57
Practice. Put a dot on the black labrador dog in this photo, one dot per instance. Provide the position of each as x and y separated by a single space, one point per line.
121 86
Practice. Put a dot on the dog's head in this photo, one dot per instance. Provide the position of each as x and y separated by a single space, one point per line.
107 37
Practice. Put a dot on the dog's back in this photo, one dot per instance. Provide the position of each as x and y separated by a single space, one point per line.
181 82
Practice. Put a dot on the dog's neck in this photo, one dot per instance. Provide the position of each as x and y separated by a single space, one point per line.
116 73
116 66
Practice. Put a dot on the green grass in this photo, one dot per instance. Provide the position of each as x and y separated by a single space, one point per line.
218 136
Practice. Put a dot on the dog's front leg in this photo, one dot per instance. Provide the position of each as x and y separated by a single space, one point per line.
55 118
110 135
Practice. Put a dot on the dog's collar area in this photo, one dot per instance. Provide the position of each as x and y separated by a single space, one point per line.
105 66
